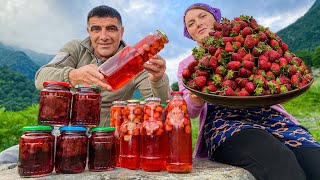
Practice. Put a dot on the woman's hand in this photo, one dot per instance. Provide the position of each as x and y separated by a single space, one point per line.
195 99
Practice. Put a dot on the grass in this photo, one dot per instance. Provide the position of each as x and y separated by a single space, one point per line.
305 108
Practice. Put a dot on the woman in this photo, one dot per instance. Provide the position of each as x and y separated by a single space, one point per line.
268 142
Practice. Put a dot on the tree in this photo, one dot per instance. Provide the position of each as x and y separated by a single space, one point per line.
316 58
306 56
174 86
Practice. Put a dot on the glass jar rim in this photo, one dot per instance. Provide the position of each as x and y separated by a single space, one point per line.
72 128
37 128
94 87
104 129
60 83
176 92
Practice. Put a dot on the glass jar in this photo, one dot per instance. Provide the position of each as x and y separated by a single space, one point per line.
178 130
55 103
71 151
153 140
102 149
36 149
131 58
86 106
116 119
133 111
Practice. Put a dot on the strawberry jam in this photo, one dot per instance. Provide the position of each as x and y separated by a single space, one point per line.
102 149
71 151
55 103
127 63
178 129
36 151
86 106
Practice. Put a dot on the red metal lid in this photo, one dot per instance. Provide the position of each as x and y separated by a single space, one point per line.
60 83
176 92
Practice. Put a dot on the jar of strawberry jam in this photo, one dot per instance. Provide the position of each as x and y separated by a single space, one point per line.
131 58
71 151
36 148
153 140
102 149
86 106
55 103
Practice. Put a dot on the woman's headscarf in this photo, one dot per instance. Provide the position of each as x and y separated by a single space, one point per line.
214 11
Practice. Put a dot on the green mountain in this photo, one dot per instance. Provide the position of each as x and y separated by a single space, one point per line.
16 92
305 32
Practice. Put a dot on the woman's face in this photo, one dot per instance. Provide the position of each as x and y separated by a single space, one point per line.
199 23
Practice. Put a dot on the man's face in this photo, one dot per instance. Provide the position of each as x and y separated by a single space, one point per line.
105 34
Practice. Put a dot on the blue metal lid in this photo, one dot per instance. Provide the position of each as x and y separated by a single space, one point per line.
72 128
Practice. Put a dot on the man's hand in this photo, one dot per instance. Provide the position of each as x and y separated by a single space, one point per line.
156 68
88 74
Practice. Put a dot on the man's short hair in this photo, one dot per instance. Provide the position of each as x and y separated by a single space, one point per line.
104 11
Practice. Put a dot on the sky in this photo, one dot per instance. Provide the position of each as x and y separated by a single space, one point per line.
45 26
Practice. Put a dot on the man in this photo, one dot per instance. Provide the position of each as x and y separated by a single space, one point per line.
78 61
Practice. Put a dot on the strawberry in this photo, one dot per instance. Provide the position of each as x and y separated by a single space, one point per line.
264 65
280 52
307 77
274 87
275 68
227 39
284 47
249 42
200 81
237 45
217 35
263 37
235 30
283 89
288 57
274 44
239 38
218 52
241 81
283 62
228 47
262 57
248 57
256 52
295 61
212 50
261 72
230 75
270 75
243 92
226 28
259 80
283 79
253 23
192 66
273 55
302 83
236 57
217 79
186 73
221 70
204 62
229 91
200 73
229 83
217 26
191 84
245 73
248 64
259 91
209 82
213 88
242 24
294 81
292 70
250 87
242 52
213 63
246 31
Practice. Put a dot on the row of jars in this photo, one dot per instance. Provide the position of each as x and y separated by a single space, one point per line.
38 144
151 137
59 107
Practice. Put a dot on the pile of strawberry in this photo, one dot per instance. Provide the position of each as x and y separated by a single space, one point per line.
242 58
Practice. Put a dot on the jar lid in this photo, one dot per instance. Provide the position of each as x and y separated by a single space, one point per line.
163 105
176 92
162 34
60 83
94 87
107 129
153 99
72 128
119 102
133 101
142 102
37 128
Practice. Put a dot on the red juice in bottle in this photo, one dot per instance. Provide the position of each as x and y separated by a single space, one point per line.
127 63
36 148
178 129
153 139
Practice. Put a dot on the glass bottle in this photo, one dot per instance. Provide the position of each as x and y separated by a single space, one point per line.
36 149
86 106
116 119
128 62
71 151
178 130
55 103
102 149
153 140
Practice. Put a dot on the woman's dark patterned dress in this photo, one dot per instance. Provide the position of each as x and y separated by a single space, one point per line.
221 123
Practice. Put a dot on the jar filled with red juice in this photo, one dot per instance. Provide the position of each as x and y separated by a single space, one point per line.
55 103
86 106
71 150
178 129
116 119
153 139
36 148
102 155
128 62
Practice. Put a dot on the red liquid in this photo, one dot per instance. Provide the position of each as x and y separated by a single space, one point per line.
86 110
153 152
130 152
54 108
102 152
36 156
179 159
71 154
